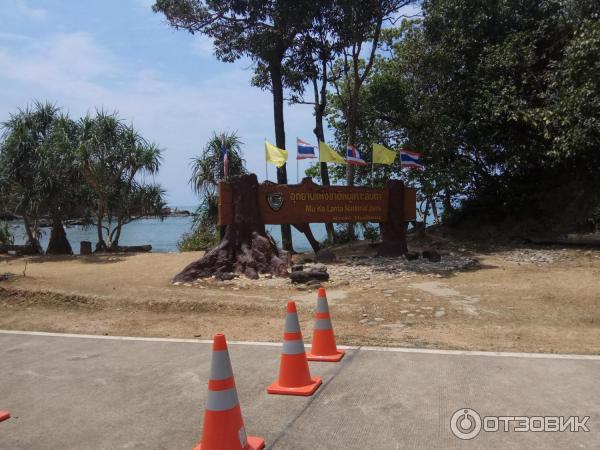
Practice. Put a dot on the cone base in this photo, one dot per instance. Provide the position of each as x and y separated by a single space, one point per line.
4 415
254 443
307 390
326 358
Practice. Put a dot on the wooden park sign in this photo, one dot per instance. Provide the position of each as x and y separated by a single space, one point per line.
308 202
245 206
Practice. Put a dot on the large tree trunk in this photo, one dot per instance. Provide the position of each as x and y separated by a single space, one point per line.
436 218
320 105
245 248
59 244
352 119
277 86
305 228
101 244
116 235
33 241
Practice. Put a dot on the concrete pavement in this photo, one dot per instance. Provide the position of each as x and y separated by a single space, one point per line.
67 392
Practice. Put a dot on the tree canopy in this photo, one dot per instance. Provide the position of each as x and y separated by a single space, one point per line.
57 168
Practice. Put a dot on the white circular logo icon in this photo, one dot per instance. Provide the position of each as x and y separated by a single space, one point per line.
465 423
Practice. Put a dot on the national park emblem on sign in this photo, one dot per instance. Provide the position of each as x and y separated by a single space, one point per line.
275 200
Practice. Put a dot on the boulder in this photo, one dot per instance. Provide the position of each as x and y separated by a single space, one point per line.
431 255
411 256
297 268
306 276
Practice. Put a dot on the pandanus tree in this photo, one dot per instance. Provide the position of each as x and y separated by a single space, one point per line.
208 170
23 135
37 175
113 159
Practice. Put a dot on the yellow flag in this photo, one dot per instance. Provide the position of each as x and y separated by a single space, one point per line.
327 154
275 155
382 155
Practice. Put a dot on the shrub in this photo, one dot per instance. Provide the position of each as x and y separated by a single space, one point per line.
201 238
6 236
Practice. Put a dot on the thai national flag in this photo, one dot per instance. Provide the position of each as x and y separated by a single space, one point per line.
410 159
353 156
225 154
305 150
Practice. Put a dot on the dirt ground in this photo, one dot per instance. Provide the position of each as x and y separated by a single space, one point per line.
517 299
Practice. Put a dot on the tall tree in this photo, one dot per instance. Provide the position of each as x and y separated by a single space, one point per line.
358 25
24 135
111 157
264 31
207 172
314 50
65 193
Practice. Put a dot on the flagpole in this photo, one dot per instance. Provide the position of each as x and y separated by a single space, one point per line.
372 173
297 163
266 163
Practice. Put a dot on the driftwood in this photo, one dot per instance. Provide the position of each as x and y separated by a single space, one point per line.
245 247
19 249
125 249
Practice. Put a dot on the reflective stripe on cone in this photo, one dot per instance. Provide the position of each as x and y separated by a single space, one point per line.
323 343
294 374
223 427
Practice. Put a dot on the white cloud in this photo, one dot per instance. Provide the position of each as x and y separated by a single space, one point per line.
29 11
13 37
78 73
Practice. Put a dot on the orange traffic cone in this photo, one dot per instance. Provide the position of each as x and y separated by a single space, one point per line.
294 375
4 415
323 343
223 424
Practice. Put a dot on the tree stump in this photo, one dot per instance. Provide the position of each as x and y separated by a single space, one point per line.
58 244
85 248
245 247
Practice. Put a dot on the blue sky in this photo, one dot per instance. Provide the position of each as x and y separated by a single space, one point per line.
120 56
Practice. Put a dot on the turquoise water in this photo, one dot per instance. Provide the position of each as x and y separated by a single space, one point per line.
161 235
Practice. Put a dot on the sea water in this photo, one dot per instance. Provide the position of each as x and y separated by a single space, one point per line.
162 235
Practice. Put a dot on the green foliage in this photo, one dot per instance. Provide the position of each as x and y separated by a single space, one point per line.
207 172
501 99
36 170
200 238
53 166
112 156
6 236
207 169
371 232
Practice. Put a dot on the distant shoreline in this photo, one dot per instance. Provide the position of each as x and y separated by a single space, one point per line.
46 222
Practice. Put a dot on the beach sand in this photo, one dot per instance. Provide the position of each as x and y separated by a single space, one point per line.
532 300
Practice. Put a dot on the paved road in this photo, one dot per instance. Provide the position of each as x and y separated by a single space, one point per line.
91 394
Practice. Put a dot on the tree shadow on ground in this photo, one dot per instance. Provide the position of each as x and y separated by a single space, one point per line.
103 258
